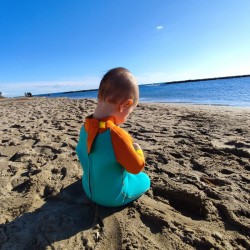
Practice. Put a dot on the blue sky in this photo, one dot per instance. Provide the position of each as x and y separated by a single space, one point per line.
60 45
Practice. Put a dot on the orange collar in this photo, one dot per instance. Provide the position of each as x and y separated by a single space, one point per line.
94 126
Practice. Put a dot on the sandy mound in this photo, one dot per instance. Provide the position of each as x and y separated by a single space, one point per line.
198 159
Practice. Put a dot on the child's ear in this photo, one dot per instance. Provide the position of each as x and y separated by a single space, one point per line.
126 104
130 102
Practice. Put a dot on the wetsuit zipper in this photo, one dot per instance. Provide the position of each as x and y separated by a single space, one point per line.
90 164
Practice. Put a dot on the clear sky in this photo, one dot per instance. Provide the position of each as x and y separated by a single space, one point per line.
60 45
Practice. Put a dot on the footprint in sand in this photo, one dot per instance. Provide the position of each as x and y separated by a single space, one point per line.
188 204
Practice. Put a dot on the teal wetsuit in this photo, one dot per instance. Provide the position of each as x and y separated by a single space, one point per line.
105 180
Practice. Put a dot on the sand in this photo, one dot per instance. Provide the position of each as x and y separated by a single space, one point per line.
198 159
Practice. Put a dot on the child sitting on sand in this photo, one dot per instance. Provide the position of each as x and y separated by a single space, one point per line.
111 162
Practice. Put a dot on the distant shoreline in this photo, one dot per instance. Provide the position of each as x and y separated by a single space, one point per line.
162 83
206 79
172 82
75 91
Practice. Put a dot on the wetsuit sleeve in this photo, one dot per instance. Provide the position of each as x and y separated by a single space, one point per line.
132 160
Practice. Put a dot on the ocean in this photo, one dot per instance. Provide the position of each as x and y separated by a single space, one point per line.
233 91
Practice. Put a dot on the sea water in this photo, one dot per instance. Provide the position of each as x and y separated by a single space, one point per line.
230 91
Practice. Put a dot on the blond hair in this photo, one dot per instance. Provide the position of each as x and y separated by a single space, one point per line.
117 86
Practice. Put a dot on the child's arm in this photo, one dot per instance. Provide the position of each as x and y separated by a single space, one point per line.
129 155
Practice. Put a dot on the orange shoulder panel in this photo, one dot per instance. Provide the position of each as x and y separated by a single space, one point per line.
94 126
91 126
125 152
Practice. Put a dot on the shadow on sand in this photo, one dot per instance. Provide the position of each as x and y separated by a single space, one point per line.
61 217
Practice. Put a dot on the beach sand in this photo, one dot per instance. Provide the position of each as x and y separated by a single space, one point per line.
198 159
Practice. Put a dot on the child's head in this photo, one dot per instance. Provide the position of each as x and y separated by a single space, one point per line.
119 92
117 86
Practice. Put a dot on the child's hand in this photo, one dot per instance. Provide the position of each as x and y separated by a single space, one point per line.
138 150
136 146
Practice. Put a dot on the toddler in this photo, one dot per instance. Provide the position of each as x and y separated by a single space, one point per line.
111 162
